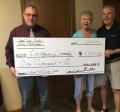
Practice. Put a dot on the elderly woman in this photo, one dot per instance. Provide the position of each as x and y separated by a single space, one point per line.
85 31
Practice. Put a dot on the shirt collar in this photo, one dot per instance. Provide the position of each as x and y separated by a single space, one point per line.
28 29
113 25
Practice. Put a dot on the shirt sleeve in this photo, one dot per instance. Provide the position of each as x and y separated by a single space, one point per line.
9 53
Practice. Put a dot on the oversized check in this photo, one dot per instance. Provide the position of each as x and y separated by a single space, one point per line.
59 56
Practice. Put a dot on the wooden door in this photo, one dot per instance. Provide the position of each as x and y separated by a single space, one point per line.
57 15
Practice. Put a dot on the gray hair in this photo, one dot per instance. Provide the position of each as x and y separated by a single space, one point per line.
87 13
110 7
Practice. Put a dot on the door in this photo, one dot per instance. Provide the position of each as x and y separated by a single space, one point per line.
57 15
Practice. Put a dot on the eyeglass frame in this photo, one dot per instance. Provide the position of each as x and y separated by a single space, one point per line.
33 15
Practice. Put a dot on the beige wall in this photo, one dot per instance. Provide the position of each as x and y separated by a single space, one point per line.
10 16
94 6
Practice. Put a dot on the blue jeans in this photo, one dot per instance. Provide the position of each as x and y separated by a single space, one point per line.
26 85
89 79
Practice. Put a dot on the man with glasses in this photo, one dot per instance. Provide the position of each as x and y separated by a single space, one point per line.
29 28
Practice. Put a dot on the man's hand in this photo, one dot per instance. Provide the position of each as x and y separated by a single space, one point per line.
109 52
13 71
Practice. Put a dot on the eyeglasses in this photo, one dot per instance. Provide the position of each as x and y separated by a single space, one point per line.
33 15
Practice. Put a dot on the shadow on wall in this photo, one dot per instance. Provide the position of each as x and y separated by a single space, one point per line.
9 90
1 97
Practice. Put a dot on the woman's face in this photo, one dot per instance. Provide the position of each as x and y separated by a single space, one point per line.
85 22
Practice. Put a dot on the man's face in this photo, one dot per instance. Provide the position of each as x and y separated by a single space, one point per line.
107 16
30 16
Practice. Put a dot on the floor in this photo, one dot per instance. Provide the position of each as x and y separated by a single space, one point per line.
67 104
2 108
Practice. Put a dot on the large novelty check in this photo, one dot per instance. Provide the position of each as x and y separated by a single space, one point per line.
58 56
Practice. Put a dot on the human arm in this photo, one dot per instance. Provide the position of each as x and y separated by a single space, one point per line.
9 53
108 53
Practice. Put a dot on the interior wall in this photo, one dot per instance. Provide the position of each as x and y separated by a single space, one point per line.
93 5
10 11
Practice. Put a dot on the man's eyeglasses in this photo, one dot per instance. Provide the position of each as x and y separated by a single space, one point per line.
33 15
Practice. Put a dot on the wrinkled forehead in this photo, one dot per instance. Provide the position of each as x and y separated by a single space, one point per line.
85 16
31 10
108 9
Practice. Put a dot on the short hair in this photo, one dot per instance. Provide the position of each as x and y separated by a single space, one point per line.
110 7
30 5
87 13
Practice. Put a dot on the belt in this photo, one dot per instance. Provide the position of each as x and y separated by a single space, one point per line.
114 60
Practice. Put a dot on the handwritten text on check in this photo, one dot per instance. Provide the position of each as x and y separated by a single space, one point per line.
58 56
